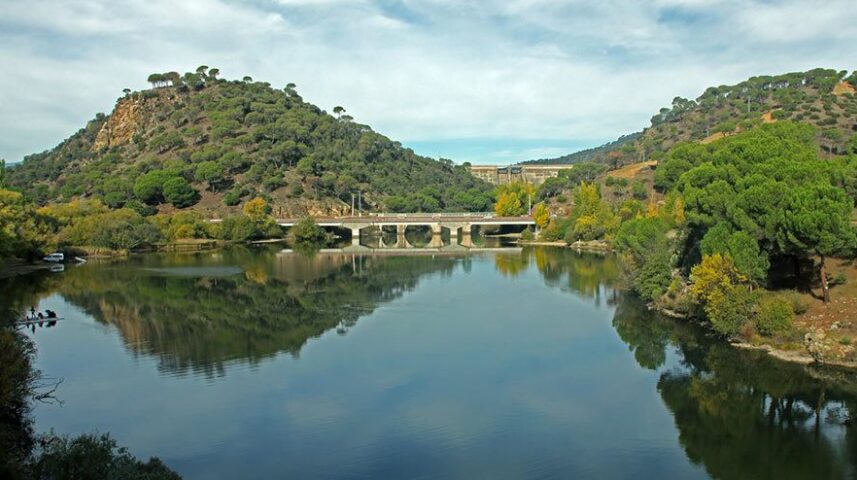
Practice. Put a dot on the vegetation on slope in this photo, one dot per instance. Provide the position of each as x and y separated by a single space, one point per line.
728 220
195 140
824 98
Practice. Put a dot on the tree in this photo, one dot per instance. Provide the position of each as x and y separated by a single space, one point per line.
174 78
247 79
817 219
178 192
201 69
149 187
211 172
338 110
213 73
742 248
126 91
509 205
156 79
851 146
256 209
307 232
718 284
2 173
541 215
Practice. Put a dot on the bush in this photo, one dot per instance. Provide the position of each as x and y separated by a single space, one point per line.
729 308
232 197
178 192
653 277
94 456
306 231
639 190
797 303
773 315
527 234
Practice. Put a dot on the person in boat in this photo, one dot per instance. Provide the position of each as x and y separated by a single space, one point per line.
33 311
41 315
51 313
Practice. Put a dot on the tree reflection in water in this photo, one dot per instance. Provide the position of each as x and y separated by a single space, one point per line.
195 315
739 414
744 414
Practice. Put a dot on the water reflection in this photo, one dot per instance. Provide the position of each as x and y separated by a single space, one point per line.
486 354
743 414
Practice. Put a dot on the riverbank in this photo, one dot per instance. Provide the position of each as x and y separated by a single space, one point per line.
821 333
15 267
594 246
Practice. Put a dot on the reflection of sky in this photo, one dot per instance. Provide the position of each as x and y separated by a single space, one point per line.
470 375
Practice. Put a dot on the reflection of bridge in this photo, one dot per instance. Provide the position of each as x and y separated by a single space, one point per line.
436 221
451 249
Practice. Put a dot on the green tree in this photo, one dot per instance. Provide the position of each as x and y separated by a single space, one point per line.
306 231
149 187
178 192
211 172
817 219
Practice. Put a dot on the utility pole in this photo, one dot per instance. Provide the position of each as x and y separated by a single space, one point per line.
360 203
352 204
529 204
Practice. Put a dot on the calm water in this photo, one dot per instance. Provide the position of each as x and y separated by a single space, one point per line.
520 364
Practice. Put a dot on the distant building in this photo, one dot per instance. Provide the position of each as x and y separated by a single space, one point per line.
535 174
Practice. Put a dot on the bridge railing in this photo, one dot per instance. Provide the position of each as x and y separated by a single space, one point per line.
433 214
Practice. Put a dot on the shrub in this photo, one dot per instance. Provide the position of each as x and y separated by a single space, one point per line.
178 192
773 315
306 231
639 190
729 308
93 456
527 234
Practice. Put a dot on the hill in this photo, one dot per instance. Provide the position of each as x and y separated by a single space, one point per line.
823 98
201 142
596 154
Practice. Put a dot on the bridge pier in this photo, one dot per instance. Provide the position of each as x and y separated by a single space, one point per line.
355 236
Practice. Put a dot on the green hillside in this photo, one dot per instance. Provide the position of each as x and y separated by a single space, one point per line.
197 141
823 98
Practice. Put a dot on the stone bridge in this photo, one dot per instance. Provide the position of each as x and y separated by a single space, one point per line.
436 221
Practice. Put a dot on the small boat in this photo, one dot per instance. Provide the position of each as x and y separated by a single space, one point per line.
55 257
46 322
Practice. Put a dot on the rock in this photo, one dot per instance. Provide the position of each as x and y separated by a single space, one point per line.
815 344
120 127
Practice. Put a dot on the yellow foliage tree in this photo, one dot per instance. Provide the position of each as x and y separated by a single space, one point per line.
508 205
541 216
715 273
587 200
256 209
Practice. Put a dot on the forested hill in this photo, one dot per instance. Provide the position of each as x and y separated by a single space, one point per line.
823 98
195 140
590 154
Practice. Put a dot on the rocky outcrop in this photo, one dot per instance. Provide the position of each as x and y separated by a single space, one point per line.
120 127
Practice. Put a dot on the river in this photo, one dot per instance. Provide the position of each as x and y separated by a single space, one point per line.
522 363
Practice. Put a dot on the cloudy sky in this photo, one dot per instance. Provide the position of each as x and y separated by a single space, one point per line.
492 81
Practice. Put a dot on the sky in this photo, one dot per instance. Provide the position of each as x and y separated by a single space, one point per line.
494 81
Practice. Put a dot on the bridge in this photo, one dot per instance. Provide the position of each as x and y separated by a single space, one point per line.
436 221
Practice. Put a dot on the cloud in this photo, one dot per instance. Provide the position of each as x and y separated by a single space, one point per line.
427 72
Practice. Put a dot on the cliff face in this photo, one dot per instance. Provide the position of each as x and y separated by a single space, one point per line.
120 127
